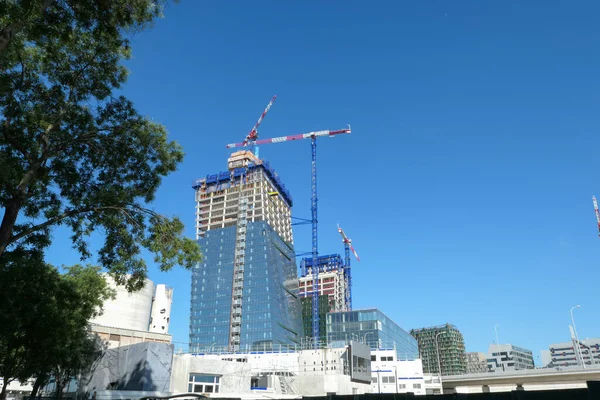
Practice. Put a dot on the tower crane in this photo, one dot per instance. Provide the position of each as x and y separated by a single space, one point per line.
597 212
348 247
253 135
252 140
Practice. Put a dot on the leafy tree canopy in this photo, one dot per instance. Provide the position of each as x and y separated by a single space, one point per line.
44 320
71 152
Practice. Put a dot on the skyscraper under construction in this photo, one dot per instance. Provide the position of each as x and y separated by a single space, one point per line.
245 290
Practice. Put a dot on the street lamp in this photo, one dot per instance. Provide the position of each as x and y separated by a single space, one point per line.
438 355
498 346
365 337
578 349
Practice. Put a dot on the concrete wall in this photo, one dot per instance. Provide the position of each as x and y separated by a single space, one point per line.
127 310
141 367
235 377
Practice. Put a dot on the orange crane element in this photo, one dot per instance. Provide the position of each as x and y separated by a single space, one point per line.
597 213
347 247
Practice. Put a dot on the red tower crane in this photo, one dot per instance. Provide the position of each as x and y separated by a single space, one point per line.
253 134
597 212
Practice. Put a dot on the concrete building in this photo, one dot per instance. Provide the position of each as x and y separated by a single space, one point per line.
333 281
137 317
161 309
443 345
245 291
152 369
127 310
506 357
476 363
563 354
389 375
334 290
372 327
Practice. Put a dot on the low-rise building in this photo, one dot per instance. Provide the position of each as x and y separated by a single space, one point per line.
372 327
563 354
476 363
389 375
506 357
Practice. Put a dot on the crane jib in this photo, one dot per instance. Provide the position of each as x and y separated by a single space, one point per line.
289 138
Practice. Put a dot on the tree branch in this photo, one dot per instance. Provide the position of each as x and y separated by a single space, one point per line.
122 208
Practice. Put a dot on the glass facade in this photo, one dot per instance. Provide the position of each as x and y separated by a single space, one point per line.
372 327
271 312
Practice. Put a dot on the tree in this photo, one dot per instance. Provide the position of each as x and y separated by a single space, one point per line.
71 152
44 330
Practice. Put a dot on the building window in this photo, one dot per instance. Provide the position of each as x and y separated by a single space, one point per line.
416 386
199 383
402 386
373 358
374 379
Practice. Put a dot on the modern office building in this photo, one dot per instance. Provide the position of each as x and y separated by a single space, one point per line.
506 357
245 290
445 342
476 363
563 354
372 327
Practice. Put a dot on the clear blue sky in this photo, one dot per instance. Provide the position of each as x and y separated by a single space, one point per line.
466 184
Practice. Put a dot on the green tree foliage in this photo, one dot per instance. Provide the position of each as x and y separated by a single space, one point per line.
44 331
71 152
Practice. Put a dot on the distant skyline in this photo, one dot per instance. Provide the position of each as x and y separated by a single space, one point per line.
467 181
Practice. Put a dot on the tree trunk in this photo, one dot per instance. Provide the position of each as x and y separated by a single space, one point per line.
11 213
3 391
39 382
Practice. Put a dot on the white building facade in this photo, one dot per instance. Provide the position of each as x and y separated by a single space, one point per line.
388 375
506 357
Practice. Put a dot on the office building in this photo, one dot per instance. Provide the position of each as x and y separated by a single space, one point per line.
373 328
506 357
245 290
444 341
563 354
476 363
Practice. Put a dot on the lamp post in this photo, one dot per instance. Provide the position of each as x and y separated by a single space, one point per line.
438 355
365 337
498 346
578 349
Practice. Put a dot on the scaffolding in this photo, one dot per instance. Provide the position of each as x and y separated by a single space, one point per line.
333 283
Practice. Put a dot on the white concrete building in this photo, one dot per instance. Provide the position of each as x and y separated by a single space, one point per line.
506 357
127 310
563 354
161 309
388 375
130 318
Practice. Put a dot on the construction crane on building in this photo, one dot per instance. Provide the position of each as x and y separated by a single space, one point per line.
253 135
597 212
347 273
252 140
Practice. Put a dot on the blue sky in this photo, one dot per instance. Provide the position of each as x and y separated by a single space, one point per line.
466 184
